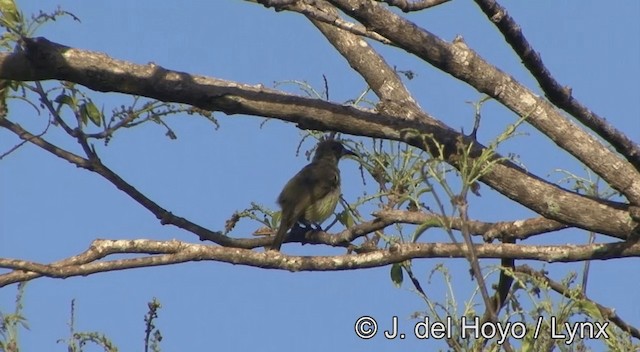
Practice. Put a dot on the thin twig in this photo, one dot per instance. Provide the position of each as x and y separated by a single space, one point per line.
417 5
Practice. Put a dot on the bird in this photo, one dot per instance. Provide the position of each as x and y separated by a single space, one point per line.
312 194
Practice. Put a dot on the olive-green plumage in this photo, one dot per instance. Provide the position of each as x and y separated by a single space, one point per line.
312 194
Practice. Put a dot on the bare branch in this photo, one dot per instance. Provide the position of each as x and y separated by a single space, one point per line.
96 166
318 12
381 78
556 93
415 5
172 252
510 230
24 141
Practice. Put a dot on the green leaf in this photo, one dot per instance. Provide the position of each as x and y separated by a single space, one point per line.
396 274
422 228
275 219
64 99
527 345
89 111
94 114
83 114
11 15
346 219
591 309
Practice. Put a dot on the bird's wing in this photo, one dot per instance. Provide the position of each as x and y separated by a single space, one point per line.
313 182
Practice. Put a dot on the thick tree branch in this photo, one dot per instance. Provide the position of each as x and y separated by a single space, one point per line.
557 94
395 98
463 63
45 60
172 252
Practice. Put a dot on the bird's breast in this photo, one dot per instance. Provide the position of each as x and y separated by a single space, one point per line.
322 208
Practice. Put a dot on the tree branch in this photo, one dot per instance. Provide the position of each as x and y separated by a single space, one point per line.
167 218
607 313
463 63
172 252
414 5
503 230
46 60
95 165
318 12
560 96
395 98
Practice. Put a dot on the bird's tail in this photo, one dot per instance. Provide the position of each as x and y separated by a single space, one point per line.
278 238
285 225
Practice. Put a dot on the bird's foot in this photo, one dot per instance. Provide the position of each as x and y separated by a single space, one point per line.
308 226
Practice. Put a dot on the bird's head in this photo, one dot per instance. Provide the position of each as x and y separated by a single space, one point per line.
331 148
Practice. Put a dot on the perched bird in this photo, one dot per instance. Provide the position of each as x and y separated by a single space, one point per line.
312 194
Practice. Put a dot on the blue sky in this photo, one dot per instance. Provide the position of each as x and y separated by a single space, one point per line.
51 210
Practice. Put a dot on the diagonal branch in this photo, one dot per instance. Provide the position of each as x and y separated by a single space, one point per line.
557 94
607 313
463 63
319 13
95 165
395 98
167 218
414 5
381 78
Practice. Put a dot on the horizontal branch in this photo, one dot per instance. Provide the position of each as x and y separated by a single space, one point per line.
173 252
504 230
46 60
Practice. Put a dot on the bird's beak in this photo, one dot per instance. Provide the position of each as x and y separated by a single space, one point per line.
346 152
